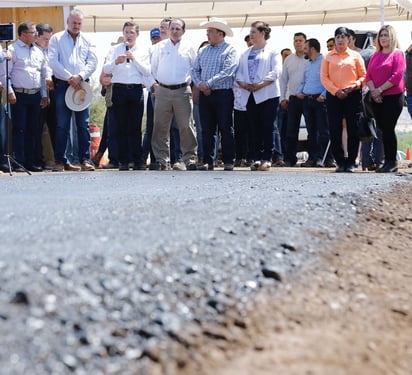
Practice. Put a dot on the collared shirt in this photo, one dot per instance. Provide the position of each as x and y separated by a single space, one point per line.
133 72
341 70
311 83
292 74
215 65
3 56
27 68
68 57
172 63
46 55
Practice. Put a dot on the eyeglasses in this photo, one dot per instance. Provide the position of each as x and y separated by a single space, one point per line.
30 32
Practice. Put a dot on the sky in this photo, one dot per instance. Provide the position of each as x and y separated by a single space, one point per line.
281 37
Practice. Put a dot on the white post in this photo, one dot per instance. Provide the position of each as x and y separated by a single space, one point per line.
382 12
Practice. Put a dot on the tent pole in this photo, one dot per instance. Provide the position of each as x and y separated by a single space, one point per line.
382 12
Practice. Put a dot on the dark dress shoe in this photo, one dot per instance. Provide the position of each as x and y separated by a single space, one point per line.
4 167
71 168
34 168
350 168
390 167
154 167
124 167
340 169
139 167
19 169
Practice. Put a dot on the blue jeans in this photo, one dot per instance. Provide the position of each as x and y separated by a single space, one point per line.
409 103
339 109
72 149
317 127
295 111
64 115
128 109
25 115
372 152
216 114
277 150
282 122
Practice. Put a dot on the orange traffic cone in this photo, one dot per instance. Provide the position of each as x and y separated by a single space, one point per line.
408 154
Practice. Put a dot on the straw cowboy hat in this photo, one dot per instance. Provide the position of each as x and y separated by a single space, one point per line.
78 100
120 39
218 23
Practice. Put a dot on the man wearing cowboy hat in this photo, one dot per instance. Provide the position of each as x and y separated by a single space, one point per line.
213 73
73 60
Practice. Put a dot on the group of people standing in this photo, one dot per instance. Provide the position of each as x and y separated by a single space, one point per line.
40 69
245 92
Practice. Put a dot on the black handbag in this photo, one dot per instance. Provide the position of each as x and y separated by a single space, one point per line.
366 128
367 106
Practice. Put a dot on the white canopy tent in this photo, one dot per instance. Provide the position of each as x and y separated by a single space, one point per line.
109 15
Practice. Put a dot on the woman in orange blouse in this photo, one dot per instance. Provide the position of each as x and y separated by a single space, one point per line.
342 74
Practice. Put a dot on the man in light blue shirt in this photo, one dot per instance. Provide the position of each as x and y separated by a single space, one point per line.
313 94
73 59
213 73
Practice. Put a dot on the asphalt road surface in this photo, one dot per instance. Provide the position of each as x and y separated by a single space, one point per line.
107 271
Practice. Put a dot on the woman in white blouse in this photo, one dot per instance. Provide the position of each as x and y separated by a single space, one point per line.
258 78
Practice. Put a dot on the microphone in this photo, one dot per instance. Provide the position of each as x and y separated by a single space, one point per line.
127 48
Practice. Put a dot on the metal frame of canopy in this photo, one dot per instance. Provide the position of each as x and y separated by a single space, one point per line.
109 15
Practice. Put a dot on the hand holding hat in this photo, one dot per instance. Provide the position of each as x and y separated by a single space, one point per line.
80 99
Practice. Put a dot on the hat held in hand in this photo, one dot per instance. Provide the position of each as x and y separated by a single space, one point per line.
78 100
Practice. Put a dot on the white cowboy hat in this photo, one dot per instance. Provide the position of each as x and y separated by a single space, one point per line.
78 100
218 23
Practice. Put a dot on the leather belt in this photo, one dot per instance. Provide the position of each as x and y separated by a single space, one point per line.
312 96
58 80
173 87
26 91
128 86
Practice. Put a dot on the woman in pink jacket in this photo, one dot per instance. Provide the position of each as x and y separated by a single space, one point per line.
384 78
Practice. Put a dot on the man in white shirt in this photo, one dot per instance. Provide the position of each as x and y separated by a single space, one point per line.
48 112
4 167
172 61
73 59
290 82
129 66
27 92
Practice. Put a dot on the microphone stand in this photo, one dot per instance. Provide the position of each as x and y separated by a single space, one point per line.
7 118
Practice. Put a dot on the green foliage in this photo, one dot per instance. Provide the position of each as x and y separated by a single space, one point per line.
97 106
404 140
